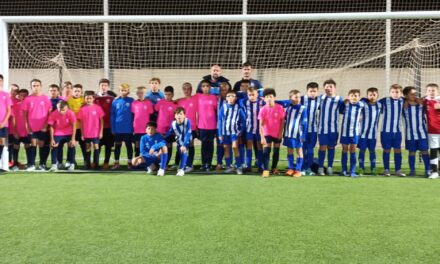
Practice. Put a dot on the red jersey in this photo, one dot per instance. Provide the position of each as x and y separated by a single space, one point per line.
105 102
432 115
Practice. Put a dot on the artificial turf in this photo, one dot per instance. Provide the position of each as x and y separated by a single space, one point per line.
136 218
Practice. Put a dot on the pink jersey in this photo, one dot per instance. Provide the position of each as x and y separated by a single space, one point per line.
5 103
207 110
191 107
62 124
165 109
18 113
38 108
90 116
141 111
272 118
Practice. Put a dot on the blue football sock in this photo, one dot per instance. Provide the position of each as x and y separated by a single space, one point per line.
352 162
361 159
260 158
238 161
228 162
321 158
163 160
290 161
344 159
426 162
249 158
412 162
191 153
299 163
386 160
310 158
331 157
373 159
398 160
183 160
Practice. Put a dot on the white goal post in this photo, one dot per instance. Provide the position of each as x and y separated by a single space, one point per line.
243 18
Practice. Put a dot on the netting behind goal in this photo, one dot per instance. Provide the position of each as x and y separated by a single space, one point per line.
286 55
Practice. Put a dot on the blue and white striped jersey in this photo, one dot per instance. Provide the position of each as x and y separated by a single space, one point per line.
251 110
351 114
182 132
370 119
329 114
392 112
231 120
296 122
415 122
312 106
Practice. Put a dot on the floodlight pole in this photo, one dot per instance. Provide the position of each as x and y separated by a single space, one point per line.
4 69
244 34
388 47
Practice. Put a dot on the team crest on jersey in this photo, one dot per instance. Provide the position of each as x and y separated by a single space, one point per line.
170 108
145 107
127 104
41 103
191 105
94 113
210 102
4 97
108 101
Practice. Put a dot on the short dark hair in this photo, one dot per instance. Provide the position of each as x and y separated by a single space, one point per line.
432 85
54 86
104 80
1 76
205 81
231 92
111 93
179 110
62 103
216 64
408 89
35 80
16 86
152 124
329 81
89 93
354 91
372 90
247 64
23 91
169 89
312 85
269 91
78 86
294 91
245 81
67 83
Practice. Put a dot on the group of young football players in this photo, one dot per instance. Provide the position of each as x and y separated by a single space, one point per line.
245 122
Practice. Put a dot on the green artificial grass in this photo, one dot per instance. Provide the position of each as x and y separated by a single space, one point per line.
136 218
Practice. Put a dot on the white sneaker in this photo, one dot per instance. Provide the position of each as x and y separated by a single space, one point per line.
329 171
386 173
434 175
161 172
67 165
71 167
229 170
189 169
15 168
400 174
239 171
54 167
31 168
180 172
149 170
42 168
321 172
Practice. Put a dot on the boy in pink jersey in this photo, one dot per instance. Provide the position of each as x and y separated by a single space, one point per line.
62 128
271 118
37 108
13 91
142 109
165 109
20 133
92 126
190 104
207 123
5 112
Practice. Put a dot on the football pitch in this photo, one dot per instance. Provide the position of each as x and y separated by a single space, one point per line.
134 217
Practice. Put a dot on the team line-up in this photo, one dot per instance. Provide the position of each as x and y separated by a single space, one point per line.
245 121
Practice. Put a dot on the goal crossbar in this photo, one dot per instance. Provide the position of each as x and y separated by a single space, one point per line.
225 18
